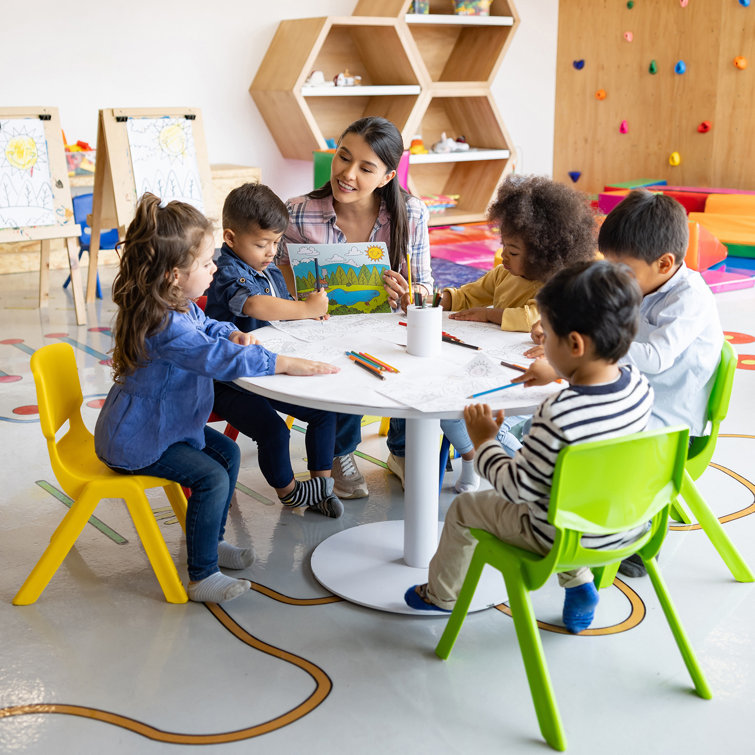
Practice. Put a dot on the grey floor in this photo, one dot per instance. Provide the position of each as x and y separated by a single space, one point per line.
102 664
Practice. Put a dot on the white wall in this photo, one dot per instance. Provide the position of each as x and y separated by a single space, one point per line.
204 53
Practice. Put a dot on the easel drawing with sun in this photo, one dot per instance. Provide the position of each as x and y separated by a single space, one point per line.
160 150
35 196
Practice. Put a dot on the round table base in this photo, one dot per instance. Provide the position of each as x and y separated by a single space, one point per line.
365 565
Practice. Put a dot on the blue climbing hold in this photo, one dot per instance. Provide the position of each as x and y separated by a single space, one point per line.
680 67
578 64
745 3
574 175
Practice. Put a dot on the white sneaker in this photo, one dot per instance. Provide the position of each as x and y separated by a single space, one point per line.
397 465
349 482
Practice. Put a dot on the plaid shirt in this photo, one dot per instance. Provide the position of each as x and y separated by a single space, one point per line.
313 221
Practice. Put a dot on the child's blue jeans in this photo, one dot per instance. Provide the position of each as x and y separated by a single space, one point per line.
211 474
258 418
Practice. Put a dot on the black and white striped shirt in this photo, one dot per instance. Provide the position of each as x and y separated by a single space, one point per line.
578 414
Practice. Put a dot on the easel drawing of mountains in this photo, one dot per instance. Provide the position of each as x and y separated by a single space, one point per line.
21 205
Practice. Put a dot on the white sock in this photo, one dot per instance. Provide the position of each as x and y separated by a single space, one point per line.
217 588
231 557
468 479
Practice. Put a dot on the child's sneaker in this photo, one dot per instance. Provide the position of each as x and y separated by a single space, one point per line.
397 465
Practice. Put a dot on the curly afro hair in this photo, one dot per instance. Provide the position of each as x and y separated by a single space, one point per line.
555 223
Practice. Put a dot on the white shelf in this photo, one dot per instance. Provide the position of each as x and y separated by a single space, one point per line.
453 20
471 155
359 91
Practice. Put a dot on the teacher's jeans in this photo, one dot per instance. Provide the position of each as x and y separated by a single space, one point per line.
348 433
211 474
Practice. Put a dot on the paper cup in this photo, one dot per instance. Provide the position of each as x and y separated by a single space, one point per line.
424 326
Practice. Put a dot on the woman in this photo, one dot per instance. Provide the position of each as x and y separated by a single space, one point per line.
362 202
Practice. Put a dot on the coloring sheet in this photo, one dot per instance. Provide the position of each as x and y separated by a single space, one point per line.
26 197
351 273
164 159
340 327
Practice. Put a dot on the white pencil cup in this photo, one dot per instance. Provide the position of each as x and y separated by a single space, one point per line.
424 326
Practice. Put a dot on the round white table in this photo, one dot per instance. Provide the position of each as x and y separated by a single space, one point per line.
374 564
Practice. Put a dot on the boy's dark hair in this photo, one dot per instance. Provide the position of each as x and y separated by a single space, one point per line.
596 299
645 226
555 223
254 204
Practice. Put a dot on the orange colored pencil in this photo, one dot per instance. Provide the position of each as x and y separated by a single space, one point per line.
379 361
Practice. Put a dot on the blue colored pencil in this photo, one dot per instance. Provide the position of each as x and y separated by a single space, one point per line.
317 275
493 390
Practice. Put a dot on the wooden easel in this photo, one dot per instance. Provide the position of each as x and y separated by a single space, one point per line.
115 192
64 227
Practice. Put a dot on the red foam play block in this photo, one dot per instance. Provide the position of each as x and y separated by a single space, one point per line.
704 249
692 201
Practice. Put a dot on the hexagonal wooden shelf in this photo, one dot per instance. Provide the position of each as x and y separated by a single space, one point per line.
427 73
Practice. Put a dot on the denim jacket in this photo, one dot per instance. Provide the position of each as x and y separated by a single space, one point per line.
234 283
169 399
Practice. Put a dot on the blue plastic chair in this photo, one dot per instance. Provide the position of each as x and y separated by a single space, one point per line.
82 208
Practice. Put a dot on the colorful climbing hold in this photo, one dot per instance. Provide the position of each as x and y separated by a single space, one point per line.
680 67
674 159
600 94
745 3
740 62
704 127
623 127
578 64
653 68
630 4
628 36
574 175
683 3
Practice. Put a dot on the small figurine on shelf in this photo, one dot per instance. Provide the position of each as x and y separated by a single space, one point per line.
420 6
346 79
472 7
316 79
417 146
446 144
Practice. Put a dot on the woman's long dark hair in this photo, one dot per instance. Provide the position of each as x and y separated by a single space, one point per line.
384 139
158 240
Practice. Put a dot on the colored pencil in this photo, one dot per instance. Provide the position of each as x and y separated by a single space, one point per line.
387 366
402 323
451 339
513 366
493 390
366 359
409 274
369 369
317 275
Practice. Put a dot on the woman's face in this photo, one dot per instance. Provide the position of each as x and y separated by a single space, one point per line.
356 171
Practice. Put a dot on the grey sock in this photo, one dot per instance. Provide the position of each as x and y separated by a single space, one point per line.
309 492
217 588
231 557
330 506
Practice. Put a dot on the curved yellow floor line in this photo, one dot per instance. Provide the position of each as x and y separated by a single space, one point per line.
636 615
323 685
281 598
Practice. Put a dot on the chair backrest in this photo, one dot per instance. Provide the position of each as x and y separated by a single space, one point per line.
82 208
609 486
59 399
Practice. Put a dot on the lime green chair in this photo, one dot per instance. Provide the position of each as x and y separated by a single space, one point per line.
598 488
87 480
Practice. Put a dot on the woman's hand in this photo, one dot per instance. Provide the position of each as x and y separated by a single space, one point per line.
296 366
481 425
397 289
243 339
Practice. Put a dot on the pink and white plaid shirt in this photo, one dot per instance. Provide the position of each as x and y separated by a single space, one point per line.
313 221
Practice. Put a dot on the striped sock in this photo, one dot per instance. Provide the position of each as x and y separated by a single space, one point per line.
217 588
231 557
309 492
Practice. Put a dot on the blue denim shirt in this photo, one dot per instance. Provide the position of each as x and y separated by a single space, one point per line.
169 399
234 283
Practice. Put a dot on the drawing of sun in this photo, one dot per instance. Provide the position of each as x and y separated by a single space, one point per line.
374 253
173 140
21 152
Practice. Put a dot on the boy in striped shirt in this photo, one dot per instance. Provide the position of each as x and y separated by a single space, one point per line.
589 316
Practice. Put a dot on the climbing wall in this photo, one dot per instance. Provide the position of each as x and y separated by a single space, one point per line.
644 117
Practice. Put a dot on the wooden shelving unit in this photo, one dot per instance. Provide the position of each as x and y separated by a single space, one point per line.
427 73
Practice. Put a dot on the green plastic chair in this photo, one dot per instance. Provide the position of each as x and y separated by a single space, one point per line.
598 488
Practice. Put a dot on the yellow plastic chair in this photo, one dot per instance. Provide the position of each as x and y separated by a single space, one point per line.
87 480
599 488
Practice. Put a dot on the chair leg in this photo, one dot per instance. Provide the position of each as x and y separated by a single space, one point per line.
60 544
690 660
453 627
531 648
678 513
384 424
178 502
605 575
715 532
154 545
445 448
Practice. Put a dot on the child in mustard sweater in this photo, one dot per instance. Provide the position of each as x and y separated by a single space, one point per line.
545 226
